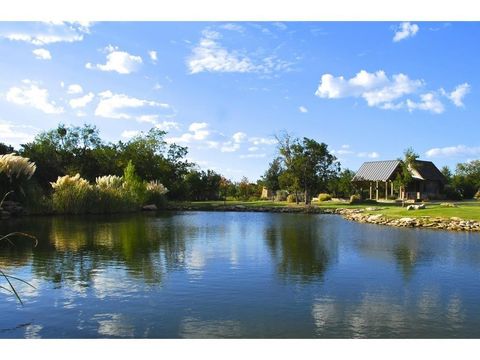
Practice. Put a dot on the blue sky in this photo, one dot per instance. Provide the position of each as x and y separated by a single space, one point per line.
367 89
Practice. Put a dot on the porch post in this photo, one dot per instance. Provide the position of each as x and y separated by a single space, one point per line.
370 190
386 190
391 188
376 189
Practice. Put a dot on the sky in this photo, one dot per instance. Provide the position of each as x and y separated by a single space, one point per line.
225 89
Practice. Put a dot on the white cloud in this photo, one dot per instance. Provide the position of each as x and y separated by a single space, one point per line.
119 106
453 151
153 56
74 89
371 155
405 30
381 91
253 148
303 109
45 33
42 54
429 102
197 131
157 86
168 125
30 94
262 141
81 101
128 134
233 27
230 146
16 134
457 95
248 156
239 137
119 61
209 55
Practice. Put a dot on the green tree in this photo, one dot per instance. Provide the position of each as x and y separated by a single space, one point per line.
310 165
404 176
271 177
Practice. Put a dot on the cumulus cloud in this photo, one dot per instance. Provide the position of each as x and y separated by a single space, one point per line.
210 56
121 106
16 134
30 94
74 89
404 31
81 102
303 109
388 93
233 27
120 61
153 56
197 131
453 151
45 33
429 102
168 125
457 95
239 137
42 54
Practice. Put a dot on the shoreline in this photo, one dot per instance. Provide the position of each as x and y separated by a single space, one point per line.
360 215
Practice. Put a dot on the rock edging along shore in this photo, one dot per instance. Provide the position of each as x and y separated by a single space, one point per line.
358 215
453 223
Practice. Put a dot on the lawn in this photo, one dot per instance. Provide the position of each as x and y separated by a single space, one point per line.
468 210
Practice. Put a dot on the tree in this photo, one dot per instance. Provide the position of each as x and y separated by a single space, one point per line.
467 178
6 149
309 164
341 185
404 177
271 177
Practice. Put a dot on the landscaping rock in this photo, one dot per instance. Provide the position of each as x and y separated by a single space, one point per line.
151 207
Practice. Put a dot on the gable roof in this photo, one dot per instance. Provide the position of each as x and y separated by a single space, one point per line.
426 170
376 170
385 170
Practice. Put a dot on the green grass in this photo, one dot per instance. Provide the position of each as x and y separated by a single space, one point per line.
468 210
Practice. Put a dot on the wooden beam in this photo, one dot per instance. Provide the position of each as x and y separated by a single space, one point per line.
391 188
376 189
370 190
386 190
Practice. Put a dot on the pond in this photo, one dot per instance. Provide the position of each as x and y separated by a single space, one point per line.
238 275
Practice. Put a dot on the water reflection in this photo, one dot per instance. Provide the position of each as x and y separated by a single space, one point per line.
300 246
202 275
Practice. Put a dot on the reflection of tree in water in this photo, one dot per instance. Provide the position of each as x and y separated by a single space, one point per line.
73 249
299 246
406 257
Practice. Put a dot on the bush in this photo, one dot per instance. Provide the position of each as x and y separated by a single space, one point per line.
291 198
155 194
477 195
355 199
324 197
72 195
452 193
281 195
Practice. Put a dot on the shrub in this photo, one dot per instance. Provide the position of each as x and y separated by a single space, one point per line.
477 195
324 197
14 166
452 193
291 198
155 193
355 199
281 195
72 195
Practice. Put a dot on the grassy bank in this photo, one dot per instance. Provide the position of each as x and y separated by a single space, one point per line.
468 210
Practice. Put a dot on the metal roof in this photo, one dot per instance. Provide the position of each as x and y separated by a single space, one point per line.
376 170
384 170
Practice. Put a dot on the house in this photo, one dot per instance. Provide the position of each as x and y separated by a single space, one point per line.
378 178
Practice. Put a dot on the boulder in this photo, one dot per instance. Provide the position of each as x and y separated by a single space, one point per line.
151 207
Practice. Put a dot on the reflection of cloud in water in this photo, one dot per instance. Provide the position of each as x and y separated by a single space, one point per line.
195 262
324 312
32 331
195 328
113 282
455 315
114 325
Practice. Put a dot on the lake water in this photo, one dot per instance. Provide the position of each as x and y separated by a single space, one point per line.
238 275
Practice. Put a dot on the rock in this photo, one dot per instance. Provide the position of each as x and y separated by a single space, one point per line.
454 218
416 207
151 207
